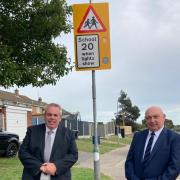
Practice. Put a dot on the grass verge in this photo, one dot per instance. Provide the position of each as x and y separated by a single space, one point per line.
11 169
106 144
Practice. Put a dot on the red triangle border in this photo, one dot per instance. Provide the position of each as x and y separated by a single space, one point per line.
94 30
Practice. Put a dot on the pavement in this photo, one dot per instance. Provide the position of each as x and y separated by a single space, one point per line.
111 163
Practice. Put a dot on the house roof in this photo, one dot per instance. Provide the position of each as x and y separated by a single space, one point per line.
17 98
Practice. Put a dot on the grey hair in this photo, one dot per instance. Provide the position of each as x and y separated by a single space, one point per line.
53 105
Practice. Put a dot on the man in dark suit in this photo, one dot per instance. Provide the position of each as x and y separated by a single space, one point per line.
154 153
48 150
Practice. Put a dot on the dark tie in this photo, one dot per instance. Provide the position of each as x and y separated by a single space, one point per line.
148 150
47 149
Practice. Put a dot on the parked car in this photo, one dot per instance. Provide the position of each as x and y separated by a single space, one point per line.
9 144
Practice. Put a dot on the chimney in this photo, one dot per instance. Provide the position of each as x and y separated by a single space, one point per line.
40 99
16 92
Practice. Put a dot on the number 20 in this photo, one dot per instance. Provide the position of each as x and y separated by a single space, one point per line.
88 46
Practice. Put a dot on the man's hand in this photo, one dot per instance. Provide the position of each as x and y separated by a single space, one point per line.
48 168
42 168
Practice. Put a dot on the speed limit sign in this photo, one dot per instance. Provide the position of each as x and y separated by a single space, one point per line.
87 51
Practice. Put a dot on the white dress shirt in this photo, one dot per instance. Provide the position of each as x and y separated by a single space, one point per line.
45 176
157 133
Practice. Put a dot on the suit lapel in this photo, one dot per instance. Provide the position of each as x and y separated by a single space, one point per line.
143 142
159 143
42 132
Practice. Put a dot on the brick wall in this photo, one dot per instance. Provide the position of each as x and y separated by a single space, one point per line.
29 118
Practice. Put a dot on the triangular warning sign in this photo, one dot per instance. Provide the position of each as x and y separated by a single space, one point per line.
91 22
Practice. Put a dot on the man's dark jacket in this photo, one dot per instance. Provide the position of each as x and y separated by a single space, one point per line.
164 162
64 152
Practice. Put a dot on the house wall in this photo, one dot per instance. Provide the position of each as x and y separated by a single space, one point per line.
37 110
37 119
2 118
5 123
29 118
1 121
70 123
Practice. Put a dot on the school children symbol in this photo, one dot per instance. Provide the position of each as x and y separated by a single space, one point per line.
91 22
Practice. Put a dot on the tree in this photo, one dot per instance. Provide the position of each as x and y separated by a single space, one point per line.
127 113
177 128
169 123
28 52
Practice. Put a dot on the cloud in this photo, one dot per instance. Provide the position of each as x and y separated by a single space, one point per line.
145 55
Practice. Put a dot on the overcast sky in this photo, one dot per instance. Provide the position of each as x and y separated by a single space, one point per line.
145 52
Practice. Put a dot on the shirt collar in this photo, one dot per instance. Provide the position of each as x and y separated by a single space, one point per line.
157 133
53 130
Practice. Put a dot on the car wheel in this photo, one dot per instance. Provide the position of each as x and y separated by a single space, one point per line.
12 149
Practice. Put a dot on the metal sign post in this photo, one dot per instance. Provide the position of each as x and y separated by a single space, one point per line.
92 52
96 147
